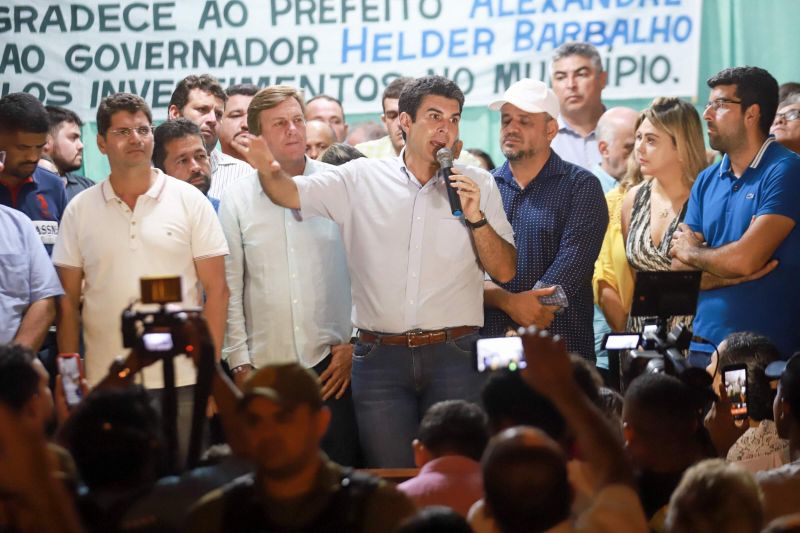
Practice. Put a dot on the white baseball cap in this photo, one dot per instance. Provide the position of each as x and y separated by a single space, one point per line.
532 96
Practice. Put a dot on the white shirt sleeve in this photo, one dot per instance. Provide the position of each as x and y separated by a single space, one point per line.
207 237
328 193
67 250
234 348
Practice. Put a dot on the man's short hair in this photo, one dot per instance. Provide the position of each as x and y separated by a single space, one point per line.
526 487
754 85
115 438
339 154
395 88
416 90
715 496
245 89
578 49
665 409
787 89
756 351
203 82
268 98
19 381
329 99
454 427
790 386
509 401
435 519
168 131
57 115
115 103
791 99
23 112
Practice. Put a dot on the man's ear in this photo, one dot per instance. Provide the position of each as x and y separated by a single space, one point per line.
552 128
628 434
753 115
48 145
173 112
405 122
101 144
602 147
603 78
422 455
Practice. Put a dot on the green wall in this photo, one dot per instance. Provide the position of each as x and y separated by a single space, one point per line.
734 33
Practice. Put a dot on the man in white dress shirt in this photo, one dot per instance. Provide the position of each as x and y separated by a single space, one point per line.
416 269
290 289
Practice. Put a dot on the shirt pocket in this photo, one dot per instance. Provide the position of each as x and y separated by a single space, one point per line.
452 240
15 276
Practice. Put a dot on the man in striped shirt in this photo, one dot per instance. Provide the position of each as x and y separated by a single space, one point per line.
201 99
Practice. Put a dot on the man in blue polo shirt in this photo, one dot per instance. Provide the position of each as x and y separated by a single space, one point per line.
24 186
742 214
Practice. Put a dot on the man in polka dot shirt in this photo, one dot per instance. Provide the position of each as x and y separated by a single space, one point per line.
559 216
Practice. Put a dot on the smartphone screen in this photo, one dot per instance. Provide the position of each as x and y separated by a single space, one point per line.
735 377
500 352
622 341
70 370
157 341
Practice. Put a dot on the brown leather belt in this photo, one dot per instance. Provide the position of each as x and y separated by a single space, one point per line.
416 338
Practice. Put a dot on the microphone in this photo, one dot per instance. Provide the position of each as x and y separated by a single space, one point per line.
445 158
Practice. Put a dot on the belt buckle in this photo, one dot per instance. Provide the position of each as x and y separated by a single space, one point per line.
412 336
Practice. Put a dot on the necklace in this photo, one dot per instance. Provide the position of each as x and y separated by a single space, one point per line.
664 213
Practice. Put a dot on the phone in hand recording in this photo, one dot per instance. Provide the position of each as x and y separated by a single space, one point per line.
158 341
735 380
621 341
500 352
69 366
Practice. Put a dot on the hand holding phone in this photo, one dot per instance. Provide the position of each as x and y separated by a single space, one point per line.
71 371
735 379
558 298
500 352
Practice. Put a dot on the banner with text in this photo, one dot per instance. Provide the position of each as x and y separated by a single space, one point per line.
73 54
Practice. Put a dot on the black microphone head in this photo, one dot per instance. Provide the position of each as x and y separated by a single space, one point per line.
445 157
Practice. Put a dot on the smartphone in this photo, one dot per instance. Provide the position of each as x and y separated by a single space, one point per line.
500 352
735 379
69 366
621 341
650 328
157 341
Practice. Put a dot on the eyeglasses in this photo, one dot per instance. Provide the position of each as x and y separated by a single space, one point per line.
719 102
142 131
789 116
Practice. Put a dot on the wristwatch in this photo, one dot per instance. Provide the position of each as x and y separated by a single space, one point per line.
478 224
241 368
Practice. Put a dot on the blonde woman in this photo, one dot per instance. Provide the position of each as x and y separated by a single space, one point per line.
670 152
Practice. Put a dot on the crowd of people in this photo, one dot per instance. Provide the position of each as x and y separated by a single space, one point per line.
333 298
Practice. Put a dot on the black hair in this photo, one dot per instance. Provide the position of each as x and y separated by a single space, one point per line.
246 89
787 89
416 90
435 519
115 103
56 115
480 154
526 487
509 401
395 88
339 154
203 82
790 386
754 85
454 427
756 351
23 112
168 131
115 438
19 381
665 405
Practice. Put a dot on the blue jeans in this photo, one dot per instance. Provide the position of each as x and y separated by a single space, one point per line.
393 386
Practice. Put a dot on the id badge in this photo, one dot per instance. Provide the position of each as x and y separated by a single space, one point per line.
47 230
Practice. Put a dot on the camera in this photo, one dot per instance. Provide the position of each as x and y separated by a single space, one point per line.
157 334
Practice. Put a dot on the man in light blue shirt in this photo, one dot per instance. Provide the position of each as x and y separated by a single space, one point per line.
28 282
578 79
290 289
616 131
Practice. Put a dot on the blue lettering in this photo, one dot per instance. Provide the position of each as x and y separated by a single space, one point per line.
570 31
502 11
358 47
620 32
484 38
682 23
548 36
526 7
638 38
596 28
656 30
379 47
523 36
549 5
568 4
457 43
401 55
485 4
427 35
672 2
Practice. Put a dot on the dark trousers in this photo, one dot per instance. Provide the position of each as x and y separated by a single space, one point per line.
341 441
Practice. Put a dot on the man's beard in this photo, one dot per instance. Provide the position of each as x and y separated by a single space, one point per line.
518 155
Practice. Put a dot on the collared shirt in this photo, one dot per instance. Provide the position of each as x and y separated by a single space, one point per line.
412 263
171 226
454 481
26 273
722 207
291 270
607 181
42 197
559 221
574 148
224 171
76 183
383 148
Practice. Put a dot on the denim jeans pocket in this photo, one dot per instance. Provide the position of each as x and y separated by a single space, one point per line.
363 350
466 344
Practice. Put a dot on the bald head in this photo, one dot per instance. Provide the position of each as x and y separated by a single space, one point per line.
525 480
319 136
615 138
